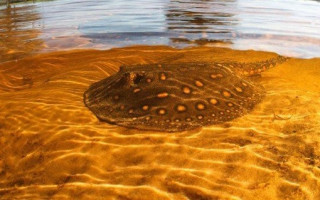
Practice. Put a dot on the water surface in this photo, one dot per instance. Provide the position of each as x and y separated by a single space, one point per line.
289 27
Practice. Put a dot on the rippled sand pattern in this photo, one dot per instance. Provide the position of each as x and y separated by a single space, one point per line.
53 147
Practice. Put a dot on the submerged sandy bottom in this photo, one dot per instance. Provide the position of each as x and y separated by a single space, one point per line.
53 147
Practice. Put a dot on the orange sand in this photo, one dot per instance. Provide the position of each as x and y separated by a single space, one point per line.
53 147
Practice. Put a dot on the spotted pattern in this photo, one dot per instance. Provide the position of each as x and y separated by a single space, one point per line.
186 90
239 89
145 107
163 76
200 116
161 111
188 119
200 106
176 97
213 101
214 76
136 90
198 83
162 95
226 94
181 108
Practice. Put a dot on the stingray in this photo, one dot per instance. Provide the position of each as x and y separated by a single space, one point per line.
177 97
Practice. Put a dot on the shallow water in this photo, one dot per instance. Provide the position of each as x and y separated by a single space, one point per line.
288 27
53 147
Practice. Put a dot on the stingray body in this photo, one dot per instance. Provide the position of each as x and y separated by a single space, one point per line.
177 97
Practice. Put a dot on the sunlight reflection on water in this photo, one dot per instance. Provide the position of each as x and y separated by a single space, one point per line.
288 27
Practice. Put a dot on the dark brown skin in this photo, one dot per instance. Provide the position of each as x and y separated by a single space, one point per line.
176 97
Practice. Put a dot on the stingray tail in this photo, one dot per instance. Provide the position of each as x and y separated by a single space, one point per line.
250 69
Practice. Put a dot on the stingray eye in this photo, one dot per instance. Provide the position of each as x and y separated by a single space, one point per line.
133 79
137 78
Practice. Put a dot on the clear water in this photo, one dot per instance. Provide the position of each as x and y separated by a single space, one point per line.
53 147
288 27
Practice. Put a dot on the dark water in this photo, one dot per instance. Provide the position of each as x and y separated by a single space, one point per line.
289 27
